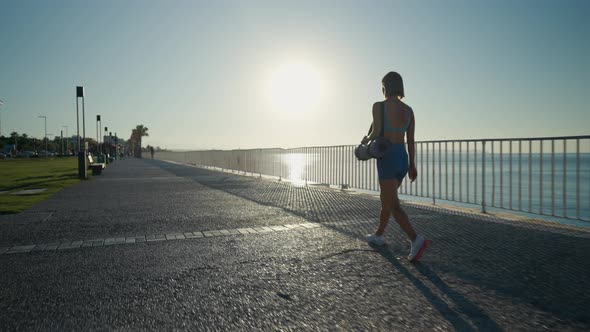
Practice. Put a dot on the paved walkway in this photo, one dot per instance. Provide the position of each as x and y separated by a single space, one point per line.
155 245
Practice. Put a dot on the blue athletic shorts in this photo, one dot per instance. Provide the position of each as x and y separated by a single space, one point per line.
395 163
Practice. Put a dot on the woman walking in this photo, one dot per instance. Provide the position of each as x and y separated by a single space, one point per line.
398 122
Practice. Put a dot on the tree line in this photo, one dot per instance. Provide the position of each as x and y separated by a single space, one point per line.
23 142
17 143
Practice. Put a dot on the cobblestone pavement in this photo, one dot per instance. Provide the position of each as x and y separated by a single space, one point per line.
155 245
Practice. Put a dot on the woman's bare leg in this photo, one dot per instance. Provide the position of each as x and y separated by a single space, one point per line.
400 215
388 187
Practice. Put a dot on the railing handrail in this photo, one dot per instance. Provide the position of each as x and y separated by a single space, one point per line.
467 140
546 138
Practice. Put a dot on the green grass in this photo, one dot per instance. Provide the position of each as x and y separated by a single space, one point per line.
18 174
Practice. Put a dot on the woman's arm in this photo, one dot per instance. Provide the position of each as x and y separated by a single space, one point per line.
413 172
376 124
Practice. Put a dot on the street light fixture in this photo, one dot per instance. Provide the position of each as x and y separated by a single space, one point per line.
45 117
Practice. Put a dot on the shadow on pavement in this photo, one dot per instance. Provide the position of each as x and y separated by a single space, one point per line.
537 267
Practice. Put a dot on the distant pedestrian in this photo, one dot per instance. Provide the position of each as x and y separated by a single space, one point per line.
398 123
152 151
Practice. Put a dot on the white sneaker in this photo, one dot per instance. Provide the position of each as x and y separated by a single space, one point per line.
375 239
418 247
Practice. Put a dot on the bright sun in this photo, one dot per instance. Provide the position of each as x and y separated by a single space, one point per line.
295 87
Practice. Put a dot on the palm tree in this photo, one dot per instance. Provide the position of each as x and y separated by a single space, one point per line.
135 140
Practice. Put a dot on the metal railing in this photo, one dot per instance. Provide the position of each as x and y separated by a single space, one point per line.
545 175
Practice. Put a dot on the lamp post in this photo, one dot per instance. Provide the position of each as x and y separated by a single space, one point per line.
1 103
111 145
98 150
103 142
67 138
45 118
82 152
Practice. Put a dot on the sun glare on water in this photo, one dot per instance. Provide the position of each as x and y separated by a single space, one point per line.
295 87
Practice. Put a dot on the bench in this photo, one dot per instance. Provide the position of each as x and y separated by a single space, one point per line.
96 167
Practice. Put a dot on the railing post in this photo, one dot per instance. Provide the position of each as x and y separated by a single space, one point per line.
578 178
342 184
272 160
446 171
427 173
564 178
280 164
453 165
540 176
475 172
553 177
460 171
520 175
421 170
467 172
433 175
501 174
342 173
305 151
439 170
493 174
483 177
530 176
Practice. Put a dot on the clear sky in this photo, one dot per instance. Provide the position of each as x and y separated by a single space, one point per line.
247 74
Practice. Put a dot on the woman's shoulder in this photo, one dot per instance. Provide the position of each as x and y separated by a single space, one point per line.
377 106
407 107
